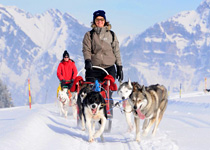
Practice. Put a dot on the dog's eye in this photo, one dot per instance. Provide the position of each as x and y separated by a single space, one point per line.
139 100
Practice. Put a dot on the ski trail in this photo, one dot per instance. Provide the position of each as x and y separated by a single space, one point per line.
192 121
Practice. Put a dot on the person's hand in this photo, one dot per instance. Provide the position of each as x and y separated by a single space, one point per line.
119 73
63 81
88 64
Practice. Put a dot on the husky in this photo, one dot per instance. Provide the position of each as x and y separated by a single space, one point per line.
124 91
74 103
148 103
63 101
86 88
94 110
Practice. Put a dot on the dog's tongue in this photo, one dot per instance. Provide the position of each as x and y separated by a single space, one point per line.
141 116
94 110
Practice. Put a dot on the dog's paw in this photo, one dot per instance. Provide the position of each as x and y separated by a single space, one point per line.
83 129
91 140
138 140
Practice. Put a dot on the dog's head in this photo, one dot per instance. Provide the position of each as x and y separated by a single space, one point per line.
83 92
63 96
138 99
93 101
125 89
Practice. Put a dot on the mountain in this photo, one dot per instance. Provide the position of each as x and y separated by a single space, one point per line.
174 52
32 46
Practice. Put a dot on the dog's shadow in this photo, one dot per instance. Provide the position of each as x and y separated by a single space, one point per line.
62 130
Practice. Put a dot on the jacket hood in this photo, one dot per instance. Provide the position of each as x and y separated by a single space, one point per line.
108 26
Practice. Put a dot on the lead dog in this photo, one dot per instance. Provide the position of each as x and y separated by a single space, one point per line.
124 91
149 103
93 110
63 101
86 88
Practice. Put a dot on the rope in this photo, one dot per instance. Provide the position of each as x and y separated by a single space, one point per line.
117 104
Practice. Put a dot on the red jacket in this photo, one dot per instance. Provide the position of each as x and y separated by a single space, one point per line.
67 70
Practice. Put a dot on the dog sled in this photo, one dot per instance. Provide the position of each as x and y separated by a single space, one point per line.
83 87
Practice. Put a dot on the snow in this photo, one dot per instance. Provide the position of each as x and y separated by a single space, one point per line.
185 126
159 51
154 39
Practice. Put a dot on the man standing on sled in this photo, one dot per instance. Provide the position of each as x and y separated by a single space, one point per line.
101 48
66 71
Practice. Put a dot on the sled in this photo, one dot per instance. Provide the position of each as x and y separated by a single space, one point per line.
107 85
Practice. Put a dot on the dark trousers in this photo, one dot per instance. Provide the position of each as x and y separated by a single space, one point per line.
69 85
92 75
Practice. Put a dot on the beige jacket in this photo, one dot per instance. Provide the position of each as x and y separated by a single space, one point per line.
102 52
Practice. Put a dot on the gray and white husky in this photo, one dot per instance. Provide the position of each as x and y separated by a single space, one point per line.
124 91
148 103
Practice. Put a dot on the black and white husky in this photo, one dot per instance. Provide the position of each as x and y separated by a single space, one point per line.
94 110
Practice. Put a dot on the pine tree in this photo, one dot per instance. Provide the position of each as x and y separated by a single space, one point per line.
5 96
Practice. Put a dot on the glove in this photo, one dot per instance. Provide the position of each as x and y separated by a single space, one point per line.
119 73
63 81
88 64
72 80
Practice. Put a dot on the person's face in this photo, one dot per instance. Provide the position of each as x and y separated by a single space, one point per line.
66 58
100 21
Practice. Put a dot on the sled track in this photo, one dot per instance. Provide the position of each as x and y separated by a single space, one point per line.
192 121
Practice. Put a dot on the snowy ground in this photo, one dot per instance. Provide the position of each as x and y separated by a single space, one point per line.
185 126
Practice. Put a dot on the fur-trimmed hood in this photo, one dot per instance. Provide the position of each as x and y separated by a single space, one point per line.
107 24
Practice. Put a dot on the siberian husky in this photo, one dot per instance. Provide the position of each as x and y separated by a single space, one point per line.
148 103
74 104
94 110
86 88
124 91
63 101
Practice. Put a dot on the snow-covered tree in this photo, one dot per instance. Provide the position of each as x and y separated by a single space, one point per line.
5 96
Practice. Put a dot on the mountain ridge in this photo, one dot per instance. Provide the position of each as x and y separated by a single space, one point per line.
173 52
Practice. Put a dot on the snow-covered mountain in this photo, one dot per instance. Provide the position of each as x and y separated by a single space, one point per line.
32 46
172 52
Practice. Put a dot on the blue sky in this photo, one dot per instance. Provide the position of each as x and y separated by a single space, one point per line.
127 17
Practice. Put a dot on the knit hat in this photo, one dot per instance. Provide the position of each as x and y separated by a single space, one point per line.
65 53
99 13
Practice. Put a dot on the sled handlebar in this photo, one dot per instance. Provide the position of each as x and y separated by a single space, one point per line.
96 67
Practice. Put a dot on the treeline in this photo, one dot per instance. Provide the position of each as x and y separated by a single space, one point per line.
5 96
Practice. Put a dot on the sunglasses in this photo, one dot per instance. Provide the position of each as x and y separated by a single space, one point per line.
102 19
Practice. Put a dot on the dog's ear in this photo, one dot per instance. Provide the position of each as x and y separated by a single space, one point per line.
129 83
143 89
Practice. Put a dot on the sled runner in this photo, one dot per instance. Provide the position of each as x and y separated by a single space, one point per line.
83 88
